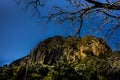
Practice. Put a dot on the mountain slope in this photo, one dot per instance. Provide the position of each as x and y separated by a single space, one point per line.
70 58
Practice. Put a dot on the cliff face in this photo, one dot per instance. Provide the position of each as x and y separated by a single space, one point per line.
51 50
48 51
55 58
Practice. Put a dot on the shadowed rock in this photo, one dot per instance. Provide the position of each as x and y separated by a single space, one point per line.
50 50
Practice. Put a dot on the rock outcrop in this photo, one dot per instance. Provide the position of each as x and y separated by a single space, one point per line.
51 50
59 58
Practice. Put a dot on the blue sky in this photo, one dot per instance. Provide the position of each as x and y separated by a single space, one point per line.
20 32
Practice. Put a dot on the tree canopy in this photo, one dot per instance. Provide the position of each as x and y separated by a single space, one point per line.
99 17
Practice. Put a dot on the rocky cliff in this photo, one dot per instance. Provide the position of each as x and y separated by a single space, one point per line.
70 58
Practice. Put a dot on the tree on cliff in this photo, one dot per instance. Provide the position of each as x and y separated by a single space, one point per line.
99 16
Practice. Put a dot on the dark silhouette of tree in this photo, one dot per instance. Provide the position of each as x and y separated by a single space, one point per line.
101 16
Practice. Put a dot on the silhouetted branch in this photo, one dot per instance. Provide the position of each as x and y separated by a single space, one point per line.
97 4
103 15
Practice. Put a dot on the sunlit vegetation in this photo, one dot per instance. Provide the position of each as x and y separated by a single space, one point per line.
64 63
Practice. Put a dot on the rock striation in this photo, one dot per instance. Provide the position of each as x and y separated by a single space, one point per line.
51 50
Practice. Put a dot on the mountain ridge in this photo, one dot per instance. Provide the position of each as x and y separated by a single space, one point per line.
58 43
59 58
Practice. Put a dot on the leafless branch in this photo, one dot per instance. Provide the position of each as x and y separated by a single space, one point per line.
104 5
103 15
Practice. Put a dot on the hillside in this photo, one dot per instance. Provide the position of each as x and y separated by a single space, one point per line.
70 58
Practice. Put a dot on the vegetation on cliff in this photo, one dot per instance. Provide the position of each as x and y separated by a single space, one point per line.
70 58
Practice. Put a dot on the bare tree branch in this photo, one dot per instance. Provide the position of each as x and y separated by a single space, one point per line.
101 15
104 5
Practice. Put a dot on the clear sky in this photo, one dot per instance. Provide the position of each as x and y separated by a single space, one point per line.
19 33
